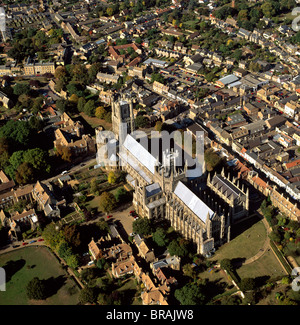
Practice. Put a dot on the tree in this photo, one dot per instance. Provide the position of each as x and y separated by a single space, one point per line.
64 250
53 235
157 77
247 284
158 126
37 158
87 295
72 261
243 15
107 201
189 271
160 237
89 107
175 248
79 73
122 195
142 226
141 121
109 11
25 173
94 185
268 9
36 289
111 178
61 73
226 264
80 104
100 263
18 133
21 88
4 153
61 105
72 235
100 112
212 159
190 294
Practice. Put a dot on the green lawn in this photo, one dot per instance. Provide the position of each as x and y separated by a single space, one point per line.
266 265
246 245
27 263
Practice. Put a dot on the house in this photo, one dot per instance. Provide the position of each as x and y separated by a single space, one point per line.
291 108
227 80
275 121
123 267
243 33
107 78
236 120
240 72
32 68
46 200
144 251
70 135
5 183
4 99
194 128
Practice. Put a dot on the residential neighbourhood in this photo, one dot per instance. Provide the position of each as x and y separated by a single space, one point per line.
97 100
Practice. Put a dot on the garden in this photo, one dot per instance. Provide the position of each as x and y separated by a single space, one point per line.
23 265
97 191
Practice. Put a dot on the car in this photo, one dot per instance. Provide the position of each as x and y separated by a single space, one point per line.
107 217
135 218
64 172
41 239
32 241
15 246
85 254
132 234
24 244
132 211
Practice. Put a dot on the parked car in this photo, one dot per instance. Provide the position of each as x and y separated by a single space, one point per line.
32 241
24 244
41 239
108 216
15 246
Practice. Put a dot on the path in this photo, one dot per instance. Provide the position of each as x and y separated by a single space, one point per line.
266 246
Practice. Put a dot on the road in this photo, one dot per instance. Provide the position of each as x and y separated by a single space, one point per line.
20 245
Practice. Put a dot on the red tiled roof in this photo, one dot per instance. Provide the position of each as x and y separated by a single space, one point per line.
292 164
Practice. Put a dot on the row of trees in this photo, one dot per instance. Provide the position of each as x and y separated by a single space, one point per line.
64 241
285 232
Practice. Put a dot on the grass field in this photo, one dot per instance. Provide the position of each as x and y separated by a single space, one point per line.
246 245
24 264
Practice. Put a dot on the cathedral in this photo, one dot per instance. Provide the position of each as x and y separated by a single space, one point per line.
202 208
